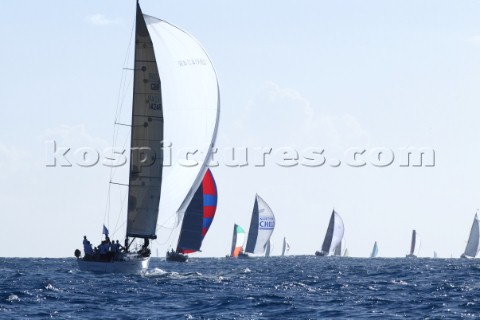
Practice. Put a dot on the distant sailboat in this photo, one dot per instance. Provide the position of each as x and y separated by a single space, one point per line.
237 242
334 235
261 227
197 219
286 246
435 254
473 244
338 250
413 244
374 250
176 99
268 248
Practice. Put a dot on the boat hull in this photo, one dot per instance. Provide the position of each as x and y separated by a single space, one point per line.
410 256
176 257
131 266
463 256
321 254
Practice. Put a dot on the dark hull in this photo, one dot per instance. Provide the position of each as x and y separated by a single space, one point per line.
320 254
176 257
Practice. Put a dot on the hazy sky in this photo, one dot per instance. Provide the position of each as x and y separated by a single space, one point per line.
326 74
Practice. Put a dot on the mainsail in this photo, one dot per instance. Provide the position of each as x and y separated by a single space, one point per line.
473 240
374 250
173 80
237 241
198 216
286 246
261 227
334 233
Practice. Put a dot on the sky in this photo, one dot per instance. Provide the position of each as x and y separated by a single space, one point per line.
373 75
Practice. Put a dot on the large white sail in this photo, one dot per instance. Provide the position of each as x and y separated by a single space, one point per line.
181 91
261 227
473 240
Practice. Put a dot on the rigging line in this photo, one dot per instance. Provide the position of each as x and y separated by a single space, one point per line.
168 239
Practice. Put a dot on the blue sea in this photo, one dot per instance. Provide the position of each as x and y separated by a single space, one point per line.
294 287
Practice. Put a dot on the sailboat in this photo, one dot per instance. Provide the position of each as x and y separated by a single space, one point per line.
374 250
338 250
435 255
197 220
346 253
412 246
286 246
334 235
175 99
262 225
473 244
268 248
237 242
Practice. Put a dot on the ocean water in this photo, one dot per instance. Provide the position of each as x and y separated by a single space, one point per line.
294 287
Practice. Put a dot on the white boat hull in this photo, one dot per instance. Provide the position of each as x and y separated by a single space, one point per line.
132 266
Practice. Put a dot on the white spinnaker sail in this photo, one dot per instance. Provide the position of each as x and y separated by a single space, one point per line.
473 240
191 103
261 227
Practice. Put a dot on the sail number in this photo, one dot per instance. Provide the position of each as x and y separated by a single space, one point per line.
154 102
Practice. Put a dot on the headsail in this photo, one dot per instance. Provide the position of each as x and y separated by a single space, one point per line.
174 80
261 227
473 240
198 216
237 241
346 253
374 250
334 233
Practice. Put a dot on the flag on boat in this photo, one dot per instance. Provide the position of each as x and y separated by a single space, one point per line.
105 230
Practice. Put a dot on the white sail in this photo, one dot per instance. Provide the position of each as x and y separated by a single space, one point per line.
334 233
191 105
286 246
268 248
473 240
374 250
338 250
261 227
